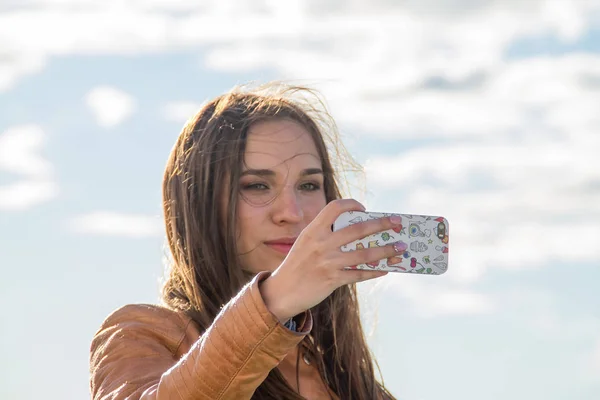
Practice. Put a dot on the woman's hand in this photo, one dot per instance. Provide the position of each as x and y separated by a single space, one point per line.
314 267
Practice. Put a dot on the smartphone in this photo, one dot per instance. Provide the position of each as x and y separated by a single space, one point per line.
426 236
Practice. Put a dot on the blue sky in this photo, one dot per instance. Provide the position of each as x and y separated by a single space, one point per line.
484 112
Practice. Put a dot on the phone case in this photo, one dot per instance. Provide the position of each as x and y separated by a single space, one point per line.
426 236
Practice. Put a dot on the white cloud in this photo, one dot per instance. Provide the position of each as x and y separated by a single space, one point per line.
527 212
25 194
19 151
110 106
14 66
453 302
517 165
391 48
383 44
430 296
108 223
181 111
20 148
520 95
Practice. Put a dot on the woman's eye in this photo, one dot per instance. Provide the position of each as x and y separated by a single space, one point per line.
255 186
310 186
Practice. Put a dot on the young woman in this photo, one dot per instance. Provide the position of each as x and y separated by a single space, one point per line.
258 304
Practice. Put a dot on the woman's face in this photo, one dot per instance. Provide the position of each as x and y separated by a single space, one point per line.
281 192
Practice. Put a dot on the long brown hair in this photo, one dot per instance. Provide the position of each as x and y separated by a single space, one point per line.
205 273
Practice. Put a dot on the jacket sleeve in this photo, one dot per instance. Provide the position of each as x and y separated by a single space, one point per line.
135 353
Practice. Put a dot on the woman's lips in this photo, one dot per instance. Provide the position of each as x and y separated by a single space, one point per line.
282 246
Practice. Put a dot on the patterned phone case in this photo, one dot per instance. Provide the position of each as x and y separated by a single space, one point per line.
426 236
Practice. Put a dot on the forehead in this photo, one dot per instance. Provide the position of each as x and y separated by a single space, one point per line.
277 142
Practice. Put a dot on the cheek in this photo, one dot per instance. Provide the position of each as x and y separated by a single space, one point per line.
248 221
314 207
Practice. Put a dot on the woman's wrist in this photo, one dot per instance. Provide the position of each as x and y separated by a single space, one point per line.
274 300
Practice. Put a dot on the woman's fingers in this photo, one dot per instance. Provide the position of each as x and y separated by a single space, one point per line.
331 211
357 275
372 254
362 230
364 256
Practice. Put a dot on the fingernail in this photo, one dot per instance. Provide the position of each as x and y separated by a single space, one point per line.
396 219
400 247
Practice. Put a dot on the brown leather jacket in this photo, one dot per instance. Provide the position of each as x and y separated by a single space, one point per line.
148 352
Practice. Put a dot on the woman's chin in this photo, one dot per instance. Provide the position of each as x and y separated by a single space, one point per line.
264 266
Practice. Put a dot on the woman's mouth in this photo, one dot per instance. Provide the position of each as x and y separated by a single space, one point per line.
281 245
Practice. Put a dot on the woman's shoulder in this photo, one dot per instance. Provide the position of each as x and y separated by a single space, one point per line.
147 313
147 322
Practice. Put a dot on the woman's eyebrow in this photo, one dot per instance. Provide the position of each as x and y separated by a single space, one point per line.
270 172
312 171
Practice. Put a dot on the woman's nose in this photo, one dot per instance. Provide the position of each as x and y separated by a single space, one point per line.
287 206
